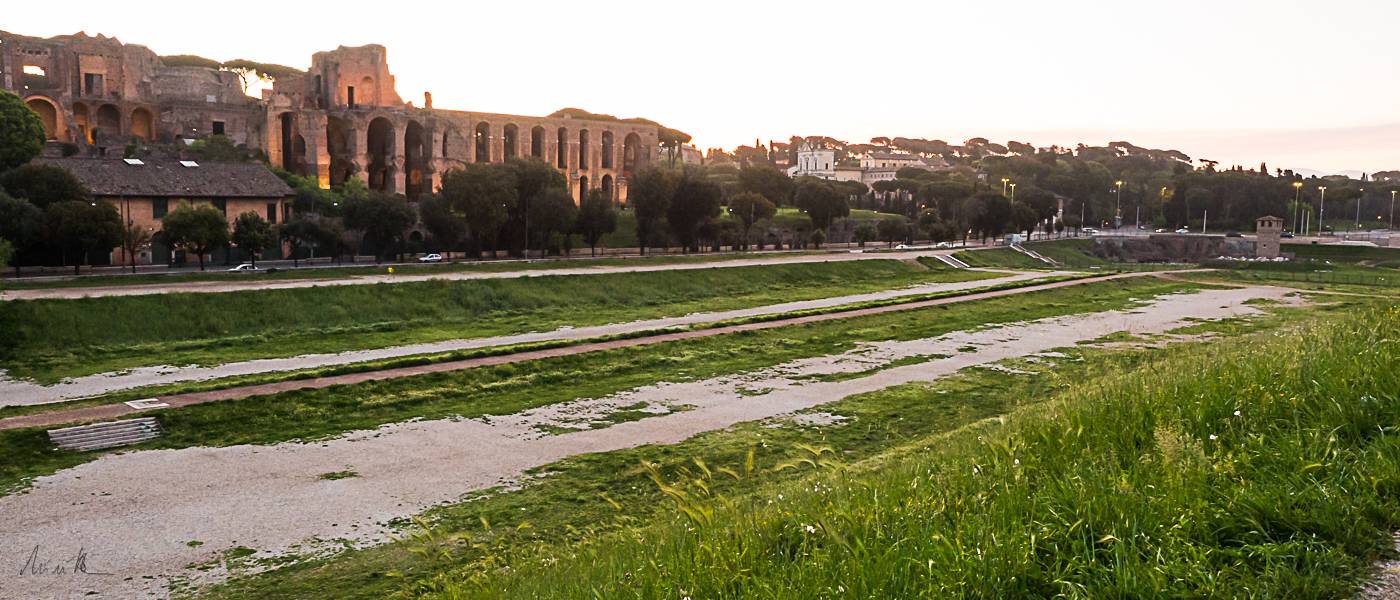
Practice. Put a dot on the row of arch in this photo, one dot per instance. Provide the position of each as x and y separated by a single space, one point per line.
380 171
91 125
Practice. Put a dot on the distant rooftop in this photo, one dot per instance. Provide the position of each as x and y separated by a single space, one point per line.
173 179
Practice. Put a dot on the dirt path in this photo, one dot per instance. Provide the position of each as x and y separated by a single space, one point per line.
137 516
208 287
14 392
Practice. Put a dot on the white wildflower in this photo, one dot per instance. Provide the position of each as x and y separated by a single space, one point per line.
1212 436
1237 413
809 528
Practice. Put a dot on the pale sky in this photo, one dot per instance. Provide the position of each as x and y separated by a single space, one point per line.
1297 84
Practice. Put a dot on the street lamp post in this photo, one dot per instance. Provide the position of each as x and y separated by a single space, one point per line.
1321 208
1004 182
1392 211
1118 204
1297 208
1361 195
1013 191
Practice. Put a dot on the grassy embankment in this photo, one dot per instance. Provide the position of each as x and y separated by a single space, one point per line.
51 339
506 389
1104 459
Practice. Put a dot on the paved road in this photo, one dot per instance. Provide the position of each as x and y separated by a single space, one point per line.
111 411
205 287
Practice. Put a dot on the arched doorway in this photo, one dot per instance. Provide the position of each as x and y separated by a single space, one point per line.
292 160
562 150
142 125
583 149
537 142
82 121
582 190
415 155
369 95
380 142
482 139
48 115
607 159
631 154
606 184
510 136
109 124
339 146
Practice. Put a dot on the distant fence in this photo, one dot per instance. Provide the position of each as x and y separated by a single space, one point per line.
1323 277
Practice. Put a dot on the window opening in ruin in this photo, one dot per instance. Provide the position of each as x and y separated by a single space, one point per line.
35 77
218 128
350 96
92 84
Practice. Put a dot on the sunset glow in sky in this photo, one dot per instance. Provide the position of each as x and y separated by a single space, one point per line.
1297 84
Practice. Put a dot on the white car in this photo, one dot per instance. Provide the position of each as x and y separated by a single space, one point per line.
434 257
943 245
901 247
1183 230
1090 230
245 267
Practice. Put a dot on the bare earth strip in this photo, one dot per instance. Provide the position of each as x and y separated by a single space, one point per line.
133 514
15 392
209 287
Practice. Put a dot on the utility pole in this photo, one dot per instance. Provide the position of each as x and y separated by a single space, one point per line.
1204 214
1321 209
1361 196
1297 207
1118 204
1392 211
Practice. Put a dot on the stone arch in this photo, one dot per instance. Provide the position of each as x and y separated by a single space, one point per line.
83 121
537 142
415 154
482 140
109 123
562 150
340 147
510 141
606 184
582 189
583 149
143 125
380 145
606 161
288 137
48 114
631 154
444 145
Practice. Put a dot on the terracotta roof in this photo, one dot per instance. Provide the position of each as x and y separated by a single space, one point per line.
169 178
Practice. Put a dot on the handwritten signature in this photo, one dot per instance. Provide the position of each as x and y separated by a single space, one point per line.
38 564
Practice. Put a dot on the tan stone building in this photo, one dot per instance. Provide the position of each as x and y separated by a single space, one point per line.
143 191
342 118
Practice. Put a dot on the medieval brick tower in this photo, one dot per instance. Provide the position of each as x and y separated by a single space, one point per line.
1268 233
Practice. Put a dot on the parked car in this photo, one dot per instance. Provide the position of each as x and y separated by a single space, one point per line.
427 258
901 247
1090 230
1288 234
1183 230
1232 233
245 267
1160 230
943 245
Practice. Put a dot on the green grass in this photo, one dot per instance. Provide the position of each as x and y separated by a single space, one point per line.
1340 253
613 509
1139 483
999 258
510 388
1070 253
51 339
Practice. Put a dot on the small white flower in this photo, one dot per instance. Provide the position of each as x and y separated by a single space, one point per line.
975 470
1237 413
1212 436
1016 462
809 528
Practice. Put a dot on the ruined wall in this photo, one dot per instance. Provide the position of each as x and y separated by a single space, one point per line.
1166 248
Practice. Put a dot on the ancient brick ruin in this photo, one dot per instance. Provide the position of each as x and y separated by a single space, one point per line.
342 118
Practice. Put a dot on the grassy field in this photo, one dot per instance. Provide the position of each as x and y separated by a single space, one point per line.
916 473
51 339
1005 258
505 389
1337 253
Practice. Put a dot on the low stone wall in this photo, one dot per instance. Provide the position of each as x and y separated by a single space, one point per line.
1171 248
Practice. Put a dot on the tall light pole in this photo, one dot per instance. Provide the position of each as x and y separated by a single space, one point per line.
1004 181
1297 206
1392 211
1118 204
1321 208
1361 195
1013 191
